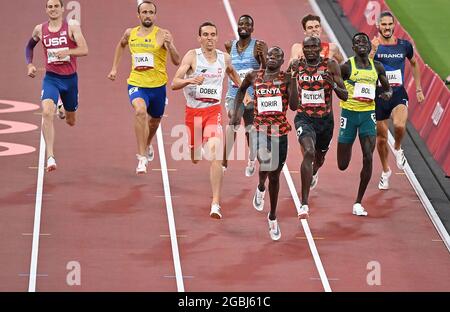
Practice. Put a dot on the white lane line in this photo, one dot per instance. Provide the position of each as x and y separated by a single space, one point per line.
169 208
312 246
409 173
309 237
37 217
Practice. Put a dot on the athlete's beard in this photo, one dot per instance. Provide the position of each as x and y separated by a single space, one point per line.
389 37
147 24
244 36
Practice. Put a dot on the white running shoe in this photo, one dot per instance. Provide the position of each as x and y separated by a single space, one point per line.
258 199
142 164
315 179
359 210
250 169
150 153
400 159
384 180
274 229
60 112
215 211
303 212
51 164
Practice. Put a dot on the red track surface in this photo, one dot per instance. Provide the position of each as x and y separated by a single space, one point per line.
96 211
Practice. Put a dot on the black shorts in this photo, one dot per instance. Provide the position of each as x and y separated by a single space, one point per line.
383 109
320 129
271 150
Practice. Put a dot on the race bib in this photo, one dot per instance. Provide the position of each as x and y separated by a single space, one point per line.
312 98
207 93
394 77
143 61
270 104
242 73
52 58
364 92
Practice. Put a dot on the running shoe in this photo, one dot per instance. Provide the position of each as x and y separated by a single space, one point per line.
303 212
315 179
215 211
60 112
274 229
250 169
150 153
51 164
400 159
142 164
384 180
258 199
359 210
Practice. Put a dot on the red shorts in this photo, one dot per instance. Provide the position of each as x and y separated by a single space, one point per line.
203 123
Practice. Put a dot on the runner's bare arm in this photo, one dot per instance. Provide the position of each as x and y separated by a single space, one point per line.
170 46
231 72
228 45
77 36
187 64
387 90
35 37
416 74
375 43
345 70
293 89
336 52
296 52
261 53
336 80
241 93
118 54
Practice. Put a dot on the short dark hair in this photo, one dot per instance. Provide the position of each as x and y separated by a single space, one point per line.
308 18
207 23
385 13
249 17
313 38
360 34
60 1
279 49
148 2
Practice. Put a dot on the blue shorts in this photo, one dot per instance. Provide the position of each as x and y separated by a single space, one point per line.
383 109
154 98
57 86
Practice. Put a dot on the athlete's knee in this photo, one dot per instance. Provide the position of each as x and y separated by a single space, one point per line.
274 177
70 122
381 139
309 152
141 113
48 113
399 126
319 161
154 122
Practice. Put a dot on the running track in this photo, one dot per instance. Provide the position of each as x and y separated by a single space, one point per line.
97 212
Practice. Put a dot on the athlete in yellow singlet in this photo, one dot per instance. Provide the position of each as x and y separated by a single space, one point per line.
149 46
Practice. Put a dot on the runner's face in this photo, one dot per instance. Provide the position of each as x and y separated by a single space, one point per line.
147 14
361 46
311 50
208 38
274 59
386 27
245 27
54 9
313 29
